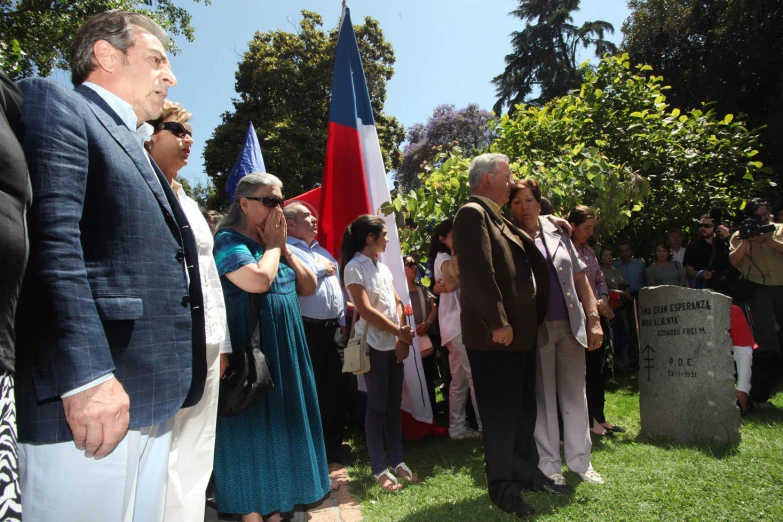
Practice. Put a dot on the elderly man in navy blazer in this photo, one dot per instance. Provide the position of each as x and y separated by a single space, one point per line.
110 322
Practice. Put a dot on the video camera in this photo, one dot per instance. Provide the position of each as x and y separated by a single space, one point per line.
752 227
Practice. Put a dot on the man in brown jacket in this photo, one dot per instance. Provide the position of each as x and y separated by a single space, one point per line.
504 285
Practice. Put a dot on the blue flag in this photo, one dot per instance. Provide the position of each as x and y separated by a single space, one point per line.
249 161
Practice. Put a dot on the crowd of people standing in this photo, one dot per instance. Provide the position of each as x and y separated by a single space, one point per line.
133 301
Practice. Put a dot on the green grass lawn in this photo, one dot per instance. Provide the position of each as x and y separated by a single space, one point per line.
645 480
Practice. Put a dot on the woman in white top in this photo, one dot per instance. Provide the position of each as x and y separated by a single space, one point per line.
193 434
371 288
447 286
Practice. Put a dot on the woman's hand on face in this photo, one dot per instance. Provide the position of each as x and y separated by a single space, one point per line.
274 233
595 335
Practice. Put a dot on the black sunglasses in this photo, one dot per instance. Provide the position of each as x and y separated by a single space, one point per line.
410 264
705 225
269 201
176 128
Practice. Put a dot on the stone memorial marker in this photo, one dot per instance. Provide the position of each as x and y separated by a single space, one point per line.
686 370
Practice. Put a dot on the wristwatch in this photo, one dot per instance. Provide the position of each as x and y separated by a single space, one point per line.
593 314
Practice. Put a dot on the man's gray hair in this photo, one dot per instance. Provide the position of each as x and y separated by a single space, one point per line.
293 209
484 164
116 27
247 188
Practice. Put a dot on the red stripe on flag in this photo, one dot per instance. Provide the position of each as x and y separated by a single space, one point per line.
343 188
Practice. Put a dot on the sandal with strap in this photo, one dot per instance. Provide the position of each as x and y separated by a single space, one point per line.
412 477
392 485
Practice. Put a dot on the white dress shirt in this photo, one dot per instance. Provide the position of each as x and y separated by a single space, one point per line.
377 280
214 305
327 301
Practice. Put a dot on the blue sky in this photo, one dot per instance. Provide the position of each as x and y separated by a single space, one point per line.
447 52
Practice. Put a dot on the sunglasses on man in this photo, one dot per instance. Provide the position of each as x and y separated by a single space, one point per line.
269 201
705 225
176 128
410 264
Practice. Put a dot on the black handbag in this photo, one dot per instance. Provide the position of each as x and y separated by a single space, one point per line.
247 379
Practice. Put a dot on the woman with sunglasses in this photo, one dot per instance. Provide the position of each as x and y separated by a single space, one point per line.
193 432
271 456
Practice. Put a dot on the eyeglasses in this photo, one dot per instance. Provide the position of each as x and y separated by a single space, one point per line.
176 128
410 264
705 225
269 201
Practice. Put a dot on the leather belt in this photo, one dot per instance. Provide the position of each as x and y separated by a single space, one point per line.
323 323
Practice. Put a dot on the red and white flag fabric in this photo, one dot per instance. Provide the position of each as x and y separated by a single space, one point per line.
354 183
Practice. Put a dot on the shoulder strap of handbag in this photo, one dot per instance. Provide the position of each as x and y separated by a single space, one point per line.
420 292
367 326
252 314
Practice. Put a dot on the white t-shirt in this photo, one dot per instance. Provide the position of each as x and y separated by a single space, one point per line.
679 256
376 278
449 308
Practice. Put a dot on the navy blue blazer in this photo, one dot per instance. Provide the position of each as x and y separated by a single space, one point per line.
105 289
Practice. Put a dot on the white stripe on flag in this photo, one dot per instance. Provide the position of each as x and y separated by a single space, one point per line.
415 398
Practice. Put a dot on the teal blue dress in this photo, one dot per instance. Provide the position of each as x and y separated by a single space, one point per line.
271 456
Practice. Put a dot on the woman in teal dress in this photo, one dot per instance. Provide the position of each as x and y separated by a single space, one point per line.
271 456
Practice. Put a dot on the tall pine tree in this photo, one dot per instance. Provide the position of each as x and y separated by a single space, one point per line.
543 64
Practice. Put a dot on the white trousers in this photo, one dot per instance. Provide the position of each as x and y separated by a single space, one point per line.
743 358
461 385
193 450
129 485
561 378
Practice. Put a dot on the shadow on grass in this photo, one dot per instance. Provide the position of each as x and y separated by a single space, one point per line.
770 414
718 451
481 508
626 383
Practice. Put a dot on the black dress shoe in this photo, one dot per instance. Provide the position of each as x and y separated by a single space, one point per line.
550 487
520 508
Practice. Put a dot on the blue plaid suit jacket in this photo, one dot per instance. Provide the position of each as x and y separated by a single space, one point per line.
105 288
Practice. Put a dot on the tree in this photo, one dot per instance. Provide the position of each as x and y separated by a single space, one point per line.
719 51
36 35
467 128
543 63
284 83
614 144
202 193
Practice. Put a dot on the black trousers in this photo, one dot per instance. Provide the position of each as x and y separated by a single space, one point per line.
505 384
595 380
327 370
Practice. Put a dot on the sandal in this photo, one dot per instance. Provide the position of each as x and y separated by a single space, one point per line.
392 485
333 486
412 477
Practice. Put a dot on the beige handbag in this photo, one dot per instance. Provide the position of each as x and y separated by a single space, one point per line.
356 356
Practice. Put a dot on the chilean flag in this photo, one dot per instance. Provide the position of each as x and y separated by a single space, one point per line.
354 183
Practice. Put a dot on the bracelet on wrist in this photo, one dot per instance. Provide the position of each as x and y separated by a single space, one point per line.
593 314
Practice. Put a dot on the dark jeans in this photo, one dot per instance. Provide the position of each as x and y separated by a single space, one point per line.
327 370
766 307
505 384
595 380
384 397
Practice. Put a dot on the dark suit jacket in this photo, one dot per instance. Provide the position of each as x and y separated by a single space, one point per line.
105 289
497 264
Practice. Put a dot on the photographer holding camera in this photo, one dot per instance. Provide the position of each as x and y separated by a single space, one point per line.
707 259
757 251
